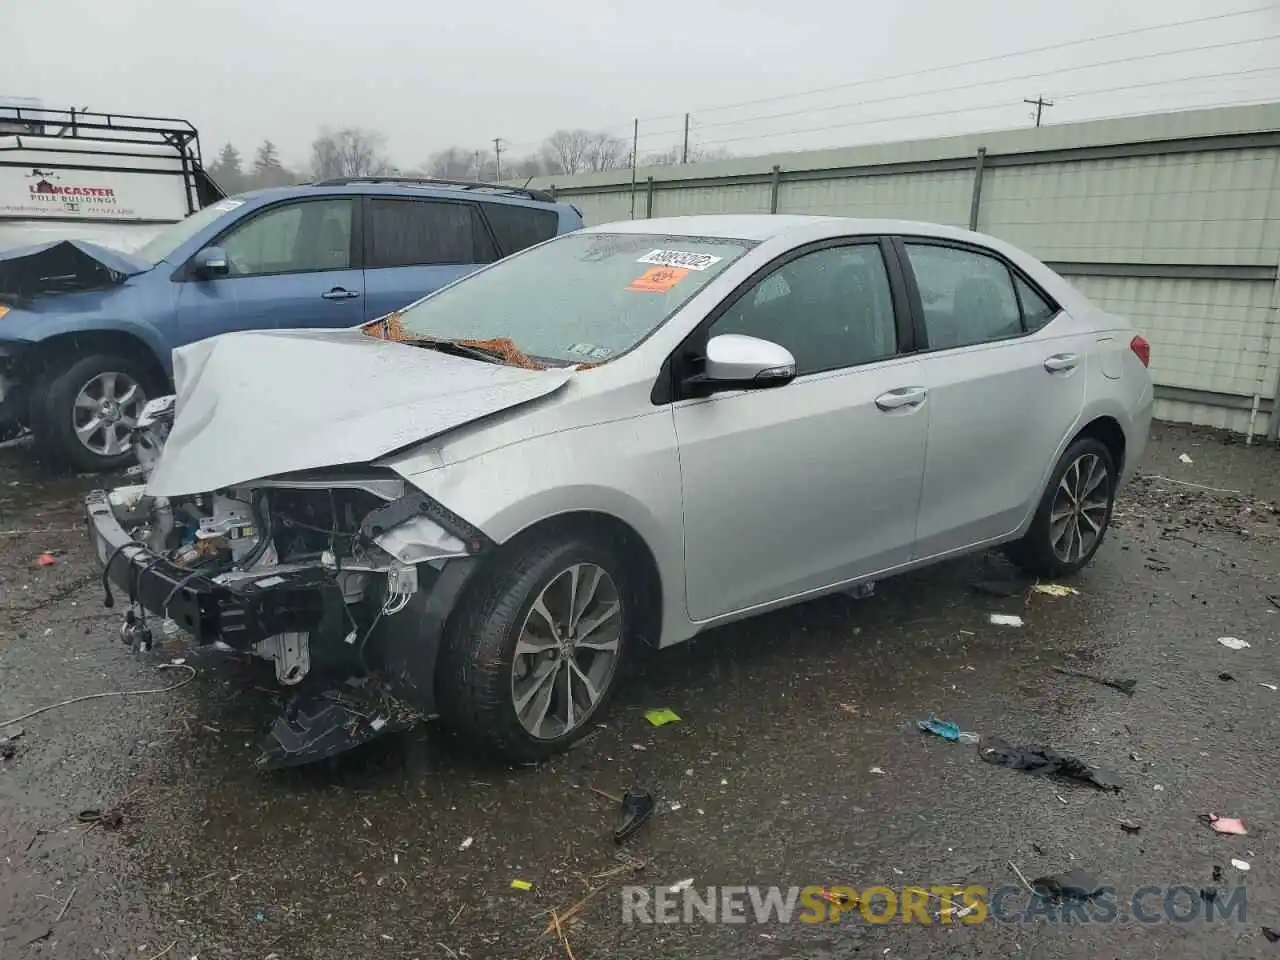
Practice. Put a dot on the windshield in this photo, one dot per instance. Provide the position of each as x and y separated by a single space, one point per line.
164 243
582 298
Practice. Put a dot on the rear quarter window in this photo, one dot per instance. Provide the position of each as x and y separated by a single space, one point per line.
520 227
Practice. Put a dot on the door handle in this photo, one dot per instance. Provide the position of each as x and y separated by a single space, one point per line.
340 293
901 398
1061 362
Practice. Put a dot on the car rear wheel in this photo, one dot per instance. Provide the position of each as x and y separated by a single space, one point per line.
534 652
1074 513
83 413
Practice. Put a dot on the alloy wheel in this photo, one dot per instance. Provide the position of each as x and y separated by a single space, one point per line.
567 651
105 412
1081 504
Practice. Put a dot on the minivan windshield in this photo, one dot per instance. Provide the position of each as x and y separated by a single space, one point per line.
162 245
581 298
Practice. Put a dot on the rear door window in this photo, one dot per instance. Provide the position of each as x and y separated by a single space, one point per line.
520 227
411 233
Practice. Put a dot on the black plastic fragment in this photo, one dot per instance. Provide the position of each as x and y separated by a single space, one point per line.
1046 762
1072 885
636 807
317 726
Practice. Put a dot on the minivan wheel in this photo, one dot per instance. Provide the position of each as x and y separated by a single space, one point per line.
533 654
1073 515
83 413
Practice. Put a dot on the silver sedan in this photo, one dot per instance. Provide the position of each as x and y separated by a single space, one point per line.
632 433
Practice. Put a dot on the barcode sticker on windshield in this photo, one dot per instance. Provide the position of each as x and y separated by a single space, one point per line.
678 258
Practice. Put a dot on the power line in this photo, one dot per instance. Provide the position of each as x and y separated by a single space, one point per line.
981 60
992 106
1038 75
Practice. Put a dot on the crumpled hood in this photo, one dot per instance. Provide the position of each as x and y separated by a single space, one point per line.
65 265
259 404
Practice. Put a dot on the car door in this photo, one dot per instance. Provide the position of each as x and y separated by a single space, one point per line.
415 246
1006 386
288 265
792 489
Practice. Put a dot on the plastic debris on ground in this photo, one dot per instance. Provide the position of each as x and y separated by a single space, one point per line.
1009 587
46 560
681 886
1056 590
521 885
1233 643
1270 686
661 716
1130 826
946 730
1047 762
1229 825
849 708
1125 685
1225 676
1185 458
466 843
635 808
1006 619
1072 885
1241 865
878 771
1271 935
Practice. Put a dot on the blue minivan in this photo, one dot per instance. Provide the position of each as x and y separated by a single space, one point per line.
86 333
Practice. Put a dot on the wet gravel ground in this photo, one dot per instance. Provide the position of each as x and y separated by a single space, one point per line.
407 849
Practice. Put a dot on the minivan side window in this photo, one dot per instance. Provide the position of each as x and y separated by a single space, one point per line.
412 233
831 308
519 227
304 237
967 296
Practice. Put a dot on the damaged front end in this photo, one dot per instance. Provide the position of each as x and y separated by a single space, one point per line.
342 578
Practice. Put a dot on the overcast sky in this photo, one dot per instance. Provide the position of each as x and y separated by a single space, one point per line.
428 76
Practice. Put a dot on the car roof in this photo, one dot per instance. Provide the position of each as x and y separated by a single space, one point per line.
439 190
765 226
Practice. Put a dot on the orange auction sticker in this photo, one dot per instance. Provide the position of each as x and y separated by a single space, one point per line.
658 279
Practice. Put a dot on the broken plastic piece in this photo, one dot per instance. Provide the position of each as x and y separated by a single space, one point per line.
1225 676
1185 458
1233 643
681 886
1228 825
1056 590
521 885
1270 686
1241 865
46 560
636 807
1126 685
1271 935
466 843
1130 826
1006 620
1046 762
946 729
877 770
661 716
1072 885
317 726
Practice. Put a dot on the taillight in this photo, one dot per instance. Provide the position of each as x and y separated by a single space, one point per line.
1140 346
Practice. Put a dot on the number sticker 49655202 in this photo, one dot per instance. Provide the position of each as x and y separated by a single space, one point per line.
680 258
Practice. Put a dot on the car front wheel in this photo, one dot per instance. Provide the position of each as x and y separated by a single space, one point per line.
1074 513
534 652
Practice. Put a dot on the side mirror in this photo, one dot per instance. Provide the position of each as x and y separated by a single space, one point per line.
737 362
211 262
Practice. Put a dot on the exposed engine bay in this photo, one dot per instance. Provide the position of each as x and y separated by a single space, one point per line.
301 570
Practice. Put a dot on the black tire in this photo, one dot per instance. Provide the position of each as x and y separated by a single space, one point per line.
53 397
1035 552
474 679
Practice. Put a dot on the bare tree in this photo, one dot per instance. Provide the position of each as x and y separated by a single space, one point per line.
568 151
455 163
349 152
607 152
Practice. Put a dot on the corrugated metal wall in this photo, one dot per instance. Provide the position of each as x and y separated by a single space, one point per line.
1172 220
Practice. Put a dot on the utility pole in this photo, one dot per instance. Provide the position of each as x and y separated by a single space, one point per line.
497 158
1039 103
635 146
684 154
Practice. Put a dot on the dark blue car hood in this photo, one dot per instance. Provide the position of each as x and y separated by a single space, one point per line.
62 266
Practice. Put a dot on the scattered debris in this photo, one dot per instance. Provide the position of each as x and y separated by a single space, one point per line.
63 912
661 716
260 916
1217 874
1056 590
46 560
1228 825
112 819
1270 686
1006 619
1226 676
1185 458
164 951
1274 598
608 796
1271 935
849 708
112 693
8 749
1233 643
1046 762
878 771
1158 787
946 730
1125 686
1009 587
1130 826
466 843
1072 885
521 885
1240 865
681 886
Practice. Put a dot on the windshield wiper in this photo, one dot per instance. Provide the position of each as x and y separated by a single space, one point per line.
457 349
